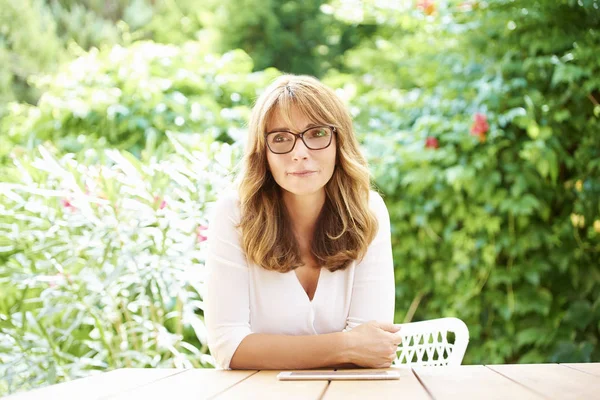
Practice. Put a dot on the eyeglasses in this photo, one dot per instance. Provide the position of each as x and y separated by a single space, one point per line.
315 138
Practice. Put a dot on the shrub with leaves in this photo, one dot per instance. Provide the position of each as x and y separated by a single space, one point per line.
35 35
123 97
482 124
101 259
301 37
28 46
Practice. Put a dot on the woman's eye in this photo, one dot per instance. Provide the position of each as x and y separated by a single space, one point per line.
280 138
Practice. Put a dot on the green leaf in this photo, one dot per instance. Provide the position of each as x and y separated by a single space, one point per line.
579 314
530 336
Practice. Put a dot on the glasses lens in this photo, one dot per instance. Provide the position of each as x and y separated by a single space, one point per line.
315 139
280 142
318 138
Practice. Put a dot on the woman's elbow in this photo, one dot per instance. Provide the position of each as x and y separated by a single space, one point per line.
224 349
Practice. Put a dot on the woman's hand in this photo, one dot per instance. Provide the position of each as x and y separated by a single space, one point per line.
373 344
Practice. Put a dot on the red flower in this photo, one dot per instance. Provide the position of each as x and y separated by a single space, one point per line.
431 143
480 127
428 6
199 236
158 200
67 204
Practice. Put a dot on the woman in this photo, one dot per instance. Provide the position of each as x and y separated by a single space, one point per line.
299 268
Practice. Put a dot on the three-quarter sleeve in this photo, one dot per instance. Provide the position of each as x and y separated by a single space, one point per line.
226 292
373 291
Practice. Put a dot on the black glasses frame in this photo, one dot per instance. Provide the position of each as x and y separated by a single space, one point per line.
301 136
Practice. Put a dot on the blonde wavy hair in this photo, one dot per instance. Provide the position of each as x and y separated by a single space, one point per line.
345 226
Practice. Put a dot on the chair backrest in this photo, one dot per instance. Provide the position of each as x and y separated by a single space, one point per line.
426 343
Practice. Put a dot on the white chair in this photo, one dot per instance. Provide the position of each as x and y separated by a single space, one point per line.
425 343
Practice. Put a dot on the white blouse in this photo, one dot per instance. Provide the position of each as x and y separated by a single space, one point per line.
241 298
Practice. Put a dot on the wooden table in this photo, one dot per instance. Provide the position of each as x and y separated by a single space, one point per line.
521 381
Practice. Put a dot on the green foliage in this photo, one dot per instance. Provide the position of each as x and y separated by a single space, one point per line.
97 23
101 259
124 97
86 24
36 35
292 36
28 45
498 222
174 22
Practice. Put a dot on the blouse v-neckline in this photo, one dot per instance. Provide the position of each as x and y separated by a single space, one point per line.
304 293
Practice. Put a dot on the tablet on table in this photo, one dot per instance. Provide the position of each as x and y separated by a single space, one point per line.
337 375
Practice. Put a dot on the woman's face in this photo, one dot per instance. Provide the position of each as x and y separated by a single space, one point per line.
285 167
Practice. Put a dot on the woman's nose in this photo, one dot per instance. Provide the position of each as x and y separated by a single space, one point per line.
300 150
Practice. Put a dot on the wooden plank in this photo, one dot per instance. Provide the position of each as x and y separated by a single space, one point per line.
98 385
191 384
265 385
407 387
590 368
470 382
552 380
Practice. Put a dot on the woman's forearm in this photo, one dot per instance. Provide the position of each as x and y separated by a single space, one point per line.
267 351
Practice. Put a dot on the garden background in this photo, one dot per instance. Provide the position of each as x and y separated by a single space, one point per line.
120 122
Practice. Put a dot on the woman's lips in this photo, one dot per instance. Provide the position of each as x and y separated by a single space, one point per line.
301 174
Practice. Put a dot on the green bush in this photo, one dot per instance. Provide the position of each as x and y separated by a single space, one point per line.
482 126
301 37
37 36
98 23
101 259
123 97
28 46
